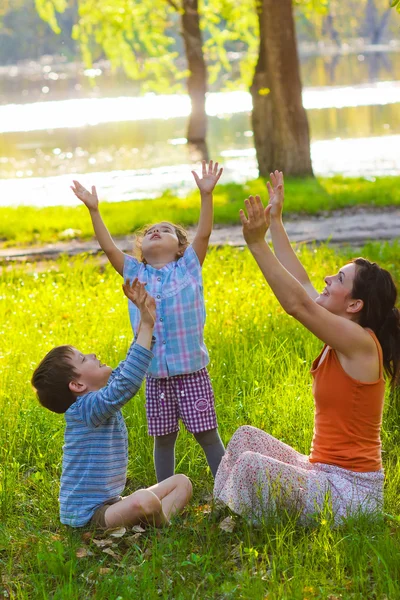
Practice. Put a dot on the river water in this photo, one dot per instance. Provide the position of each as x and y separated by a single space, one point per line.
57 124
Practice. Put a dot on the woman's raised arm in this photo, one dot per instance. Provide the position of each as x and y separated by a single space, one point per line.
280 240
342 334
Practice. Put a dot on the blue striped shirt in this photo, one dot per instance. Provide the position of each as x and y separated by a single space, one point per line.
95 452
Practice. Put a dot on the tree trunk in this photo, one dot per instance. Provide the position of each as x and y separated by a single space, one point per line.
197 80
374 26
281 133
330 30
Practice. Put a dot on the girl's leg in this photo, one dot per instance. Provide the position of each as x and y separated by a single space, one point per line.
212 446
164 455
141 506
174 493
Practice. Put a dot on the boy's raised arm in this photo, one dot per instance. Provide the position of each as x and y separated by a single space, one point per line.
101 405
206 185
91 201
96 407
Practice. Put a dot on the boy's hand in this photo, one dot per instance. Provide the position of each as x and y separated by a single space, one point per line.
89 199
276 194
210 176
256 225
148 314
140 298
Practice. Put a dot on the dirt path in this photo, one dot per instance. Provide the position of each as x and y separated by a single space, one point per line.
353 226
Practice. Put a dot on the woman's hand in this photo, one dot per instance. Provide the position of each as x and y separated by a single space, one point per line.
90 200
210 176
256 225
276 194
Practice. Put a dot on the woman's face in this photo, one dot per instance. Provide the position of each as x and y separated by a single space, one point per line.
336 296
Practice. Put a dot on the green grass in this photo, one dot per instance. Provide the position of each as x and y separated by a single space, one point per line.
260 360
28 225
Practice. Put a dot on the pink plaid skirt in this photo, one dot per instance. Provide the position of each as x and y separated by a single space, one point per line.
188 397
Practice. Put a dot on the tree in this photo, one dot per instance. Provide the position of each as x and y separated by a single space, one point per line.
375 24
197 79
137 35
279 120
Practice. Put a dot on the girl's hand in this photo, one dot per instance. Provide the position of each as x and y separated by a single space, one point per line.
136 292
256 225
276 194
89 199
210 176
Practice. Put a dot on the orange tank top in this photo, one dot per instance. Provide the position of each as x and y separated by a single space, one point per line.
348 415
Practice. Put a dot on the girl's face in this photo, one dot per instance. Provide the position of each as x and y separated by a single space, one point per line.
160 241
336 296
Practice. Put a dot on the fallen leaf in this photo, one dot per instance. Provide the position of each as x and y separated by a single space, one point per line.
205 509
208 498
104 571
111 553
118 532
102 543
132 539
87 536
227 524
81 553
138 529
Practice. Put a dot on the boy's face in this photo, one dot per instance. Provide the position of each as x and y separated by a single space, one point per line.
93 375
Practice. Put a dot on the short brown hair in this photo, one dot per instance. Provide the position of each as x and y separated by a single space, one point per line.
52 377
181 234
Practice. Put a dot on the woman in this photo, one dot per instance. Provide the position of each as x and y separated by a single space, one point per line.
355 316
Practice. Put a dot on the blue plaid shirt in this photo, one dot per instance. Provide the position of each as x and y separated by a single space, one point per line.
179 329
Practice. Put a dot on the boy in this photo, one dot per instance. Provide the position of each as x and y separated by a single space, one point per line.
95 453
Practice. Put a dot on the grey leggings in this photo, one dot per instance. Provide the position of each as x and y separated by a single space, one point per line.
164 452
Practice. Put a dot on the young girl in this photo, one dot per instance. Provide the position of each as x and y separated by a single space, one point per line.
177 385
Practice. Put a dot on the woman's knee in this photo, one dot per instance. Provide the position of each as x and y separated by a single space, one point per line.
243 431
247 459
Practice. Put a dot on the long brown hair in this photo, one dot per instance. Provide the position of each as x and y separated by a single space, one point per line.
376 288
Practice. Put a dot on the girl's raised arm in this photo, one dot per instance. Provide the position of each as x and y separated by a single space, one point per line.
280 240
91 201
206 185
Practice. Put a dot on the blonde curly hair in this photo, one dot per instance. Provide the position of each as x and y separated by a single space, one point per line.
181 234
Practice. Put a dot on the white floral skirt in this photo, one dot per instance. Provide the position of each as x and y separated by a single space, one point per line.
260 474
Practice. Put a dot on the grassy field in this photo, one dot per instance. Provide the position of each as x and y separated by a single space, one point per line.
28 225
260 360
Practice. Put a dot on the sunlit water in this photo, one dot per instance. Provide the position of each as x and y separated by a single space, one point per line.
95 111
352 157
134 147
